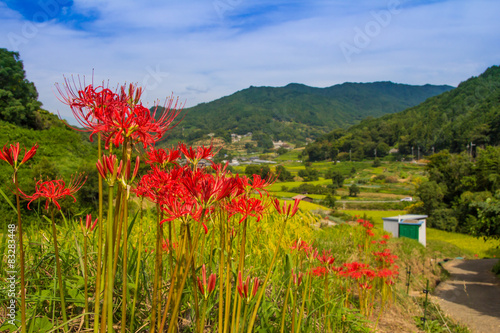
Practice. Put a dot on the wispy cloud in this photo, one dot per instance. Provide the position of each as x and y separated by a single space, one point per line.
204 49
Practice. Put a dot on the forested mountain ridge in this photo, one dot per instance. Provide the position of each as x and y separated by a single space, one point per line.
296 111
452 120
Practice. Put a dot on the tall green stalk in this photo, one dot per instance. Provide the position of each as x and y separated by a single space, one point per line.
85 277
268 275
21 254
99 246
110 277
58 268
139 256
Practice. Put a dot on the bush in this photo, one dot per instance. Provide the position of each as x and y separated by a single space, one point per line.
443 219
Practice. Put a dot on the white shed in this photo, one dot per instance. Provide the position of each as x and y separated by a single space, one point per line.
409 225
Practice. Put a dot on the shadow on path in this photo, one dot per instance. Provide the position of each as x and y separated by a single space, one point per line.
472 294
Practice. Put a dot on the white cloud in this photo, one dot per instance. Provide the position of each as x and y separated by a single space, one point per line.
189 49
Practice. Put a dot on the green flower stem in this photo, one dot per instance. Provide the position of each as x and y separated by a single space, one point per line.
124 268
221 273
85 277
190 257
110 279
99 245
152 325
268 275
58 268
285 304
21 254
139 256
304 297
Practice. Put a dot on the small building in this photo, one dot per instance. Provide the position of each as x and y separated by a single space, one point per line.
410 225
303 198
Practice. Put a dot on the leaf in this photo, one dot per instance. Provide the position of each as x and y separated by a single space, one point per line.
8 201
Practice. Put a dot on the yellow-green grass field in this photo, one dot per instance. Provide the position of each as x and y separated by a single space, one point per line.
469 244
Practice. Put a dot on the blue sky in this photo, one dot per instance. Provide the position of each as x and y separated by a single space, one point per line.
201 50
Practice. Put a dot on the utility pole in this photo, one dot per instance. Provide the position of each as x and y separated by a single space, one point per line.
432 150
350 156
412 154
418 154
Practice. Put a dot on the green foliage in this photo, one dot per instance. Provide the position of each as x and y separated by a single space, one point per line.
296 112
283 174
452 120
354 190
309 174
262 170
459 193
18 97
336 177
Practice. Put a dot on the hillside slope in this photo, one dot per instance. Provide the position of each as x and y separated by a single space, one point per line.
452 120
297 111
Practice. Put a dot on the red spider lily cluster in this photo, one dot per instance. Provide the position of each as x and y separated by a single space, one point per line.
11 154
206 288
247 289
119 114
54 190
186 191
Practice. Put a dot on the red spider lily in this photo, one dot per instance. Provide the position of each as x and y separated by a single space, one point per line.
246 207
243 288
365 223
11 154
206 289
198 154
369 233
385 256
326 258
301 245
386 237
319 271
54 190
287 210
297 278
118 115
136 168
207 189
386 273
89 226
166 245
259 184
109 169
162 157
175 208
365 286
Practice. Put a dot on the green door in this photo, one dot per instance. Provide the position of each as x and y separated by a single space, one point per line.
409 230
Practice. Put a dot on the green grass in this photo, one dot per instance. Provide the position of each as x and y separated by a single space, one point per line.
469 244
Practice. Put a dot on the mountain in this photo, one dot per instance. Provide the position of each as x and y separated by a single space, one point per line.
452 120
296 112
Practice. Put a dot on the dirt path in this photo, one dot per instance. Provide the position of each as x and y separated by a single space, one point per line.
472 294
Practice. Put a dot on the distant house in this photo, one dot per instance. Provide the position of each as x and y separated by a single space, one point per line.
303 198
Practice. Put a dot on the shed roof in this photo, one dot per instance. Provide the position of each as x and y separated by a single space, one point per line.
300 197
401 218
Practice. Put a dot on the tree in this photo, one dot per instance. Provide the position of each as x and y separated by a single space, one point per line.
283 173
309 174
18 97
354 190
262 171
488 221
329 201
431 194
336 177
